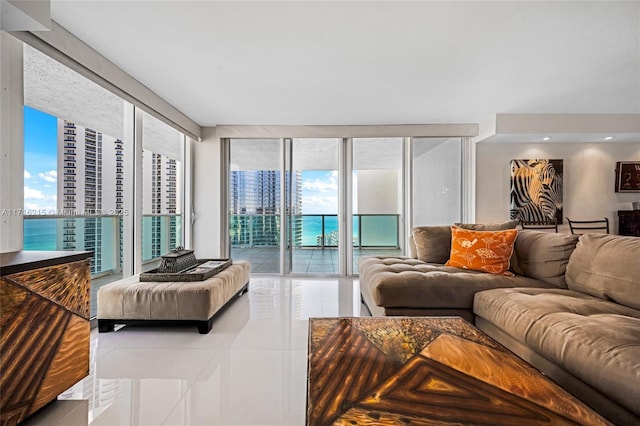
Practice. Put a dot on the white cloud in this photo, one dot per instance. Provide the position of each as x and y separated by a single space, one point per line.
36 200
36 208
316 204
27 175
33 194
322 185
50 176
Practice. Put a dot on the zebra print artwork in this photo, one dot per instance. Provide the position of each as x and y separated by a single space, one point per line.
536 190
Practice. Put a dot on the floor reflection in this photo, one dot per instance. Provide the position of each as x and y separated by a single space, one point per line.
250 370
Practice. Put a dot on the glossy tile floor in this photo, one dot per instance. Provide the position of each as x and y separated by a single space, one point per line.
249 370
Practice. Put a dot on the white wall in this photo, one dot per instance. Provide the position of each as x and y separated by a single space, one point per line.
11 144
206 200
588 178
437 184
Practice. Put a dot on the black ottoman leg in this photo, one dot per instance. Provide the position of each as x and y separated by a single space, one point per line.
204 327
105 326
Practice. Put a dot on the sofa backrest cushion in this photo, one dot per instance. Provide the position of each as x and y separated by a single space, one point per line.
432 244
544 255
502 226
608 267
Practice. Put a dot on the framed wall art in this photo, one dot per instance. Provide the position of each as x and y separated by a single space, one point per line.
628 176
536 190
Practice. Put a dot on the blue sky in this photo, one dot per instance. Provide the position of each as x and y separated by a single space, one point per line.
320 192
319 187
40 160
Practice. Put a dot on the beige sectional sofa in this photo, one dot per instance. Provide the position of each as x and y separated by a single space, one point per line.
422 285
572 310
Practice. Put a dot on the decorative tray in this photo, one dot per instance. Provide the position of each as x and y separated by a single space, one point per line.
203 269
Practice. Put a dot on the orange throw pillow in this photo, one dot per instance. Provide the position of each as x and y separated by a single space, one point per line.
485 251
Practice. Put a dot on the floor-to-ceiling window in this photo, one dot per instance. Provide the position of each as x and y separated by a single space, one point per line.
162 164
333 187
255 191
73 151
313 205
378 197
283 204
78 186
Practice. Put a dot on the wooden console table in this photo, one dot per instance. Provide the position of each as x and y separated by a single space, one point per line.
44 318
629 222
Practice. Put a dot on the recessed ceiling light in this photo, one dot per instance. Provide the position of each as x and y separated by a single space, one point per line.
546 138
608 138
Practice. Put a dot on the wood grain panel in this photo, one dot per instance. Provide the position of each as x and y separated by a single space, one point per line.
346 367
426 371
11 298
70 363
26 349
454 397
44 344
510 374
363 417
64 285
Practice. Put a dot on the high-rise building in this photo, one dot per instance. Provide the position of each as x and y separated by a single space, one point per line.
160 203
92 186
254 204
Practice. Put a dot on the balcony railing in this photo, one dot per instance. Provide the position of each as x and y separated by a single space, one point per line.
102 235
314 230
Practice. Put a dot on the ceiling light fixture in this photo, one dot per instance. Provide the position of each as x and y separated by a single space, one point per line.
608 138
546 138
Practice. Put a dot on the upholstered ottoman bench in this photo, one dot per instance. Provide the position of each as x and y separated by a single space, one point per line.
129 301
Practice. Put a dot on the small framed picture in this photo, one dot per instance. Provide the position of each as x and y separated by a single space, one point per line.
628 176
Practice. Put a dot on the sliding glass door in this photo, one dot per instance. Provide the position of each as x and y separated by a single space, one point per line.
313 206
378 197
255 191
283 204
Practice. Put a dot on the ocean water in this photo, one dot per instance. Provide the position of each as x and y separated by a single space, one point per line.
40 234
312 228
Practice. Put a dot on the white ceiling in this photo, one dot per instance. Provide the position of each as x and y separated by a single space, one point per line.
57 90
370 62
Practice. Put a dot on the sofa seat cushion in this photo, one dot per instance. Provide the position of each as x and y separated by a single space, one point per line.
130 299
595 340
411 283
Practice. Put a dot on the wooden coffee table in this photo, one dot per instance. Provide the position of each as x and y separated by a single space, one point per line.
426 371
